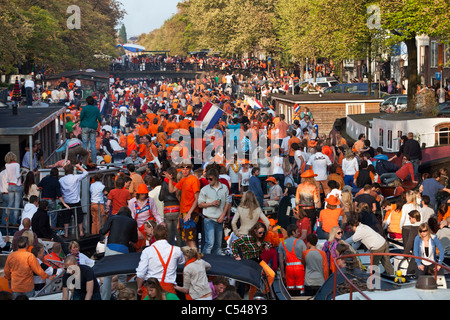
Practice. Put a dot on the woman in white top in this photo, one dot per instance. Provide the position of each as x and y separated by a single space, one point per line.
349 167
15 188
244 176
410 226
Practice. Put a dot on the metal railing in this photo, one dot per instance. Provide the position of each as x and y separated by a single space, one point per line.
353 288
72 225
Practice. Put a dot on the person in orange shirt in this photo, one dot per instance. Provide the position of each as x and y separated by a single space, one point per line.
171 126
190 189
131 143
20 268
183 123
153 128
161 137
151 150
143 129
292 140
283 127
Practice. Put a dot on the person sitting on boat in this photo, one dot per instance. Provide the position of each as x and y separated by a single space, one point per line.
405 171
393 215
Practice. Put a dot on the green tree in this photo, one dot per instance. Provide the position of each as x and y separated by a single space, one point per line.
406 19
123 38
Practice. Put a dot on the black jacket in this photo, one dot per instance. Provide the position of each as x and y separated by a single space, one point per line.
41 225
122 229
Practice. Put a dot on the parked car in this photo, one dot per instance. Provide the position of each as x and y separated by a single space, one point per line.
358 88
394 103
444 109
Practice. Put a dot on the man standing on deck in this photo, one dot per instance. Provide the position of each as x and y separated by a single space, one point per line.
411 148
90 118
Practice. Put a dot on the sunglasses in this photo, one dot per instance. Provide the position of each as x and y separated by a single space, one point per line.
210 179
340 232
422 231
261 233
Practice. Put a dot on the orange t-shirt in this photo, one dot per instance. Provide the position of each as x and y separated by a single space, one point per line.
189 186
170 127
290 142
119 198
330 218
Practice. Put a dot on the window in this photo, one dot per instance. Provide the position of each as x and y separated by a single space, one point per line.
434 54
446 56
355 108
443 134
399 134
381 138
389 140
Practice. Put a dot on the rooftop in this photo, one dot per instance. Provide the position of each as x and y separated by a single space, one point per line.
325 98
402 116
28 121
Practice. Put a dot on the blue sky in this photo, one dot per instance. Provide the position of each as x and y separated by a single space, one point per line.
144 16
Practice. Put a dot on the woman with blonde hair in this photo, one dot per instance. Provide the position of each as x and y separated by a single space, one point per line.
408 227
195 280
15 187
248 213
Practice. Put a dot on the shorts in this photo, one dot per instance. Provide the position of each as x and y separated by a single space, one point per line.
188 228
66 215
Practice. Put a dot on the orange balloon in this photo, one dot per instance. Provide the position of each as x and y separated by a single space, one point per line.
107 158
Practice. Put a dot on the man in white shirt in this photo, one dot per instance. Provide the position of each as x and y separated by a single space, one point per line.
29 87
214 201
70 187
319 163
29 210
373 241
159 261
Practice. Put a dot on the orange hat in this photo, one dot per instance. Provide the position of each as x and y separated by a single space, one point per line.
333 200
312 143
272 179
308 174
142 189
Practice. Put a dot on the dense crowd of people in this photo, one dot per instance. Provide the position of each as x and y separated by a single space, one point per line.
182 193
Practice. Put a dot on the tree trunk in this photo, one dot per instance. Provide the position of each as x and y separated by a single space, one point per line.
412 73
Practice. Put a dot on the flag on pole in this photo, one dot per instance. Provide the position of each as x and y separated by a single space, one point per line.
209 115
297 108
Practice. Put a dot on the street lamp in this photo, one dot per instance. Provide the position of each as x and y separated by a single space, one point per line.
401 64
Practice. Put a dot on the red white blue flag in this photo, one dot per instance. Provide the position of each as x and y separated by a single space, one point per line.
209 115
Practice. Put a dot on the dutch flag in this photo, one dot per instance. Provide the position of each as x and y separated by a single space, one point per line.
209 115
297 109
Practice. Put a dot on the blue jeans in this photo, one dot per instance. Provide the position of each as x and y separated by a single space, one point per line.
15 194
29 294
415 164
348 180
106 287
213 236
5 200
52 212
388 177
88 136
